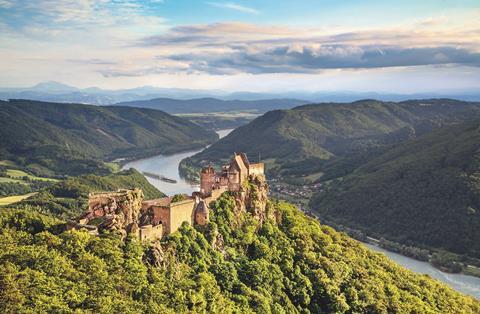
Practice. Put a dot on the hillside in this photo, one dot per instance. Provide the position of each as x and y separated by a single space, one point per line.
422 192
204 105
300 141
67 199
75 139
235 264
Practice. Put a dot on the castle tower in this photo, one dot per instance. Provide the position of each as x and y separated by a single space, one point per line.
234 180
207 180
201 213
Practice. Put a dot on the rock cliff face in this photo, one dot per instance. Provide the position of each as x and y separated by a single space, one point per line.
253 198
115 211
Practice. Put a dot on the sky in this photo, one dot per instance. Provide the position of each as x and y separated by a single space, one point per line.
263 46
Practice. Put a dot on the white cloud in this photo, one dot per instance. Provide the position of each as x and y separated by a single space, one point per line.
233 6
5 4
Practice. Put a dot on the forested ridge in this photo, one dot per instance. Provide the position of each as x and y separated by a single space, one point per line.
425 191
287 264
50 138
309 138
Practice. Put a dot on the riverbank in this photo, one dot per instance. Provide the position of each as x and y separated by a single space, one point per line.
461 282
168 166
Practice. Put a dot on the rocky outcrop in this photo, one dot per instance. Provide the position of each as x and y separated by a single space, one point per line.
253 197
113 211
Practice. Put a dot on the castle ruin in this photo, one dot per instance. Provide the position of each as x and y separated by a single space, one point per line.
149 220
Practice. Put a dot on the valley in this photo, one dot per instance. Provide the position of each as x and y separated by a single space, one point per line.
240 157
299 195
290 180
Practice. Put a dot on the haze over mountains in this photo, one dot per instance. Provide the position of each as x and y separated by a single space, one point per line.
58 92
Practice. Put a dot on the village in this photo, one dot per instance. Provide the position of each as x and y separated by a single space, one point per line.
127 212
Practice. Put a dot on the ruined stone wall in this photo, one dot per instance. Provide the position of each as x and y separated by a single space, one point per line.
156 215
180 212
215 194
207 180
257 169
150 233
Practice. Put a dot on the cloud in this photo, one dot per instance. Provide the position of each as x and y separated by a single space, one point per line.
49 19
93 61
233 6
5 4
231 48
311 58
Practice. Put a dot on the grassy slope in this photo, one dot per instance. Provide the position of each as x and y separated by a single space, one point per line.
317 132
60 136
14 199
425 191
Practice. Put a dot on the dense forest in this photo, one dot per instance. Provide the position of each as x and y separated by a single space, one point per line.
49 138
333 137
290 264
425 191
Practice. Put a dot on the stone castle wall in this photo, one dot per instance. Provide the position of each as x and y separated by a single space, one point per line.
150 233
180 212
215 194
160 215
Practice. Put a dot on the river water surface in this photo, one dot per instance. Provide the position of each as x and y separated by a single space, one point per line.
168 167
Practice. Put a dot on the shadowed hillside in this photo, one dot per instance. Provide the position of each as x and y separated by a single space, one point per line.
75 139
425 191
203 105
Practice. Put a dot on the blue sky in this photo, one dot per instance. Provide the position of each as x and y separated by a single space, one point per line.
359 45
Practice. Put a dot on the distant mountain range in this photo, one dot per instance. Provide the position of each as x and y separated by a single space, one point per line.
58 92
204 105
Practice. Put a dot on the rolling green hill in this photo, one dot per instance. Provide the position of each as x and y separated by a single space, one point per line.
288 265
425 191
307 138
74 139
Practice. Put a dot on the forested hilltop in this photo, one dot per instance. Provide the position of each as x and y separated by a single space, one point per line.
51 138
333 138
238 263
423 192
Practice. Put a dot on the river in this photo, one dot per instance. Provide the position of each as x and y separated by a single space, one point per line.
167 165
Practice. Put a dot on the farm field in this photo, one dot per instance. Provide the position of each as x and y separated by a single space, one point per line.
19 174
14 199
